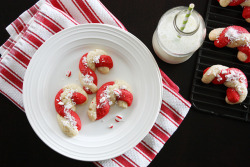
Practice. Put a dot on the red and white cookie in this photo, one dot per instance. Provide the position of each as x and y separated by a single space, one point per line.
87 65
108 94
233 78
244 3
65 104
233 36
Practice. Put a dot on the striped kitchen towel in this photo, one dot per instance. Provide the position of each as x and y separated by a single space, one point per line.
47 17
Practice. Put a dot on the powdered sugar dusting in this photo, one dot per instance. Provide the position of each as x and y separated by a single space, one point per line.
123 87
208 72
84 61
105 97
232 34
239 89
117 92
68 104
87 79
223 71
96 59
70 93
236 78
219 78
60 103
233 76
70 119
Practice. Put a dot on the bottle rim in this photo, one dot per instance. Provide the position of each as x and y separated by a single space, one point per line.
196 17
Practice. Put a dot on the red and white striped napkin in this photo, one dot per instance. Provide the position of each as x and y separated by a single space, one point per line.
47 17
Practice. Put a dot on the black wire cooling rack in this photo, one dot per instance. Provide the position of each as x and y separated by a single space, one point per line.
211 98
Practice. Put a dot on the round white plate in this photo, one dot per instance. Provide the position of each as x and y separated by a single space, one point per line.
46 75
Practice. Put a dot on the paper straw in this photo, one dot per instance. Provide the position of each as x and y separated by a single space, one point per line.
189 11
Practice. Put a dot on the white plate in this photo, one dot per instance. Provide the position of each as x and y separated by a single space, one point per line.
46 75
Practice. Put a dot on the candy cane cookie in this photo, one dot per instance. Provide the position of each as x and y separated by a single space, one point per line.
65 104
244 3
233 36
233 78
87 65
107 95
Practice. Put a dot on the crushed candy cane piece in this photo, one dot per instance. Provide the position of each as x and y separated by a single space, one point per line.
118 118
111 126
68 73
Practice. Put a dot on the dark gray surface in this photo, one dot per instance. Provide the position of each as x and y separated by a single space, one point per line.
201 140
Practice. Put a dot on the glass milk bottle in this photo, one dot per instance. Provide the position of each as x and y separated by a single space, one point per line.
173 45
